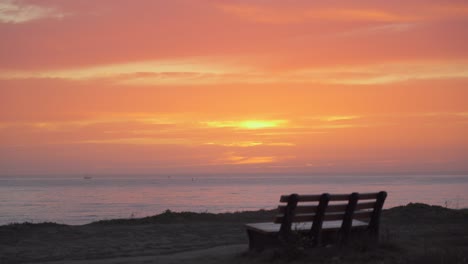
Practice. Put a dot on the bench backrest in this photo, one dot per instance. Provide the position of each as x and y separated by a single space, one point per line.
366 207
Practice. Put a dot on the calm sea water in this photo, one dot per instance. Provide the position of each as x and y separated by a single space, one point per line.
79 201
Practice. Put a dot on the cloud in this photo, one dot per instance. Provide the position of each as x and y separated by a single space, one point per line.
140 141
385 74
382 73
16 12
233 158
186 71
242 144
339 118
384 29
246 144
144 129
214 70
295 15
288 15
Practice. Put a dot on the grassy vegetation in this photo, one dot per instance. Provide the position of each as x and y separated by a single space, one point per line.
415 233
190 217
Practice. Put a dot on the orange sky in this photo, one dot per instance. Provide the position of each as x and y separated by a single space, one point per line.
336 87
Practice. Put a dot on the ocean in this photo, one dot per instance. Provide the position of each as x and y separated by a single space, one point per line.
81 200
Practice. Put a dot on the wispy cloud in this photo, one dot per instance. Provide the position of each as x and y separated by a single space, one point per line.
383 73
211 71
235 159
285 15
161 69
140 141
339 118
246 144
380 29
18 12
293 15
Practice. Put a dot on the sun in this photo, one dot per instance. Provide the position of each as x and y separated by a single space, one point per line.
247 124
260 124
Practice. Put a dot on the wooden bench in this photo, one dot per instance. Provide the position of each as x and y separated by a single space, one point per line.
323 219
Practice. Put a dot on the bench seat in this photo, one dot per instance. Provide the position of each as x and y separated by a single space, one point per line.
269 227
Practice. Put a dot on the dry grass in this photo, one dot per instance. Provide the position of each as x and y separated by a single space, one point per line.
415 233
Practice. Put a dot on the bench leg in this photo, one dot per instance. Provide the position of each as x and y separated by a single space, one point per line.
251 239
256 240
259 241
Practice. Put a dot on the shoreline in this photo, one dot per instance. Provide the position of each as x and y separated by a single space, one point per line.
165 217
169 215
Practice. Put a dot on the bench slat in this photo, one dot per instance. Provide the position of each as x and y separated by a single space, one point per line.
368 196
331 217
302 198
362 215
299 209
296 219
333 208
339 197
366 205
333 197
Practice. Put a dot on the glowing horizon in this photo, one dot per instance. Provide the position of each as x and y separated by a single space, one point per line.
233 87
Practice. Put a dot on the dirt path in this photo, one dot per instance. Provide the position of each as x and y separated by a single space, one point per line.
219 254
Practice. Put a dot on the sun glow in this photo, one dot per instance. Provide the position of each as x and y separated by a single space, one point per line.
345 88
247 124
242 160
